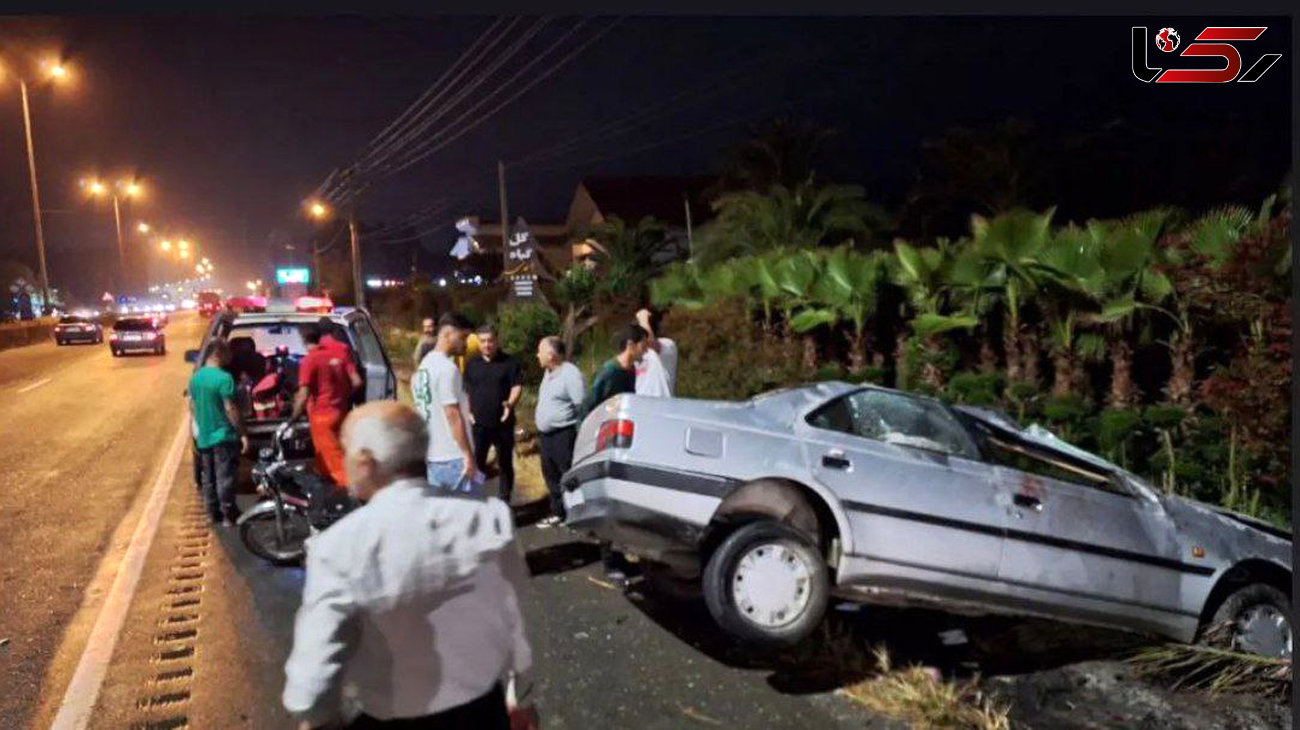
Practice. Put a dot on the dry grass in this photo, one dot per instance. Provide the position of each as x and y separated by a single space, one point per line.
921 698
1214 669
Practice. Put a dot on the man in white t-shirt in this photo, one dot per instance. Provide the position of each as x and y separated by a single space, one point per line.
656 374
439 396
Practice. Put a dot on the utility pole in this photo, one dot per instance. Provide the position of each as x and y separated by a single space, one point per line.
121 248
358 286
36 197
505 216
690 240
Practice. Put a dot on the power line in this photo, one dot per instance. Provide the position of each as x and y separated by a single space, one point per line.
378 157
429 97
424 150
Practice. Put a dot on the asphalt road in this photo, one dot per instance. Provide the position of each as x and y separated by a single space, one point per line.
209 626
82 433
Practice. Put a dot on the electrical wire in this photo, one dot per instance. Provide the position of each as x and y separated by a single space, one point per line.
412 134
423 151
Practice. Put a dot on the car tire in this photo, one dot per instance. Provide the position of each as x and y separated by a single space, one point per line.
762 615
1257 620
58 342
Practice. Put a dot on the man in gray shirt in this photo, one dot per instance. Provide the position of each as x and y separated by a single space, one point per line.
559 401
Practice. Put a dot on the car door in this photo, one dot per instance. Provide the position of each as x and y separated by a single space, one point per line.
910 480
380 382
1079 533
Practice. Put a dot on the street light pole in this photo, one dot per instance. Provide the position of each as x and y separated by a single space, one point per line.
358 286
121 248
36 196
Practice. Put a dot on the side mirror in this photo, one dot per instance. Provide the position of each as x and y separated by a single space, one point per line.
191 356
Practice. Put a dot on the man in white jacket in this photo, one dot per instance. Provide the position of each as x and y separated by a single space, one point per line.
413 600
656 374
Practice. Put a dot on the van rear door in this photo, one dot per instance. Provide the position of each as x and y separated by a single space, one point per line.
380 383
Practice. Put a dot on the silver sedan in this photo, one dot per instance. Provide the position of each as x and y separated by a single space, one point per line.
777 503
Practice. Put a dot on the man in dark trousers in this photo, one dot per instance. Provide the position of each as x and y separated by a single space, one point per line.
494 383
617 376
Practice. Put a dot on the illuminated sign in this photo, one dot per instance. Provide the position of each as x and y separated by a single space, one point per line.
293 276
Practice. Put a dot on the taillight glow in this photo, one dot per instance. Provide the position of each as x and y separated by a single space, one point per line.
615 434
150 336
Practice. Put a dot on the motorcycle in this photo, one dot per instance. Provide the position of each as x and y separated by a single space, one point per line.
299 504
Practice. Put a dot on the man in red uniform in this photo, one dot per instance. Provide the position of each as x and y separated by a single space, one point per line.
326 379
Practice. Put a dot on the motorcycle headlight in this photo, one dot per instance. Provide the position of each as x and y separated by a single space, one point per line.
266 453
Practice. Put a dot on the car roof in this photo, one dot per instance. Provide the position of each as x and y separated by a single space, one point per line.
292 316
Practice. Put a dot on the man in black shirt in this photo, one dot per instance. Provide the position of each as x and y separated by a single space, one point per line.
494 383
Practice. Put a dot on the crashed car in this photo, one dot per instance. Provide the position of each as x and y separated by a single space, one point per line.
863 493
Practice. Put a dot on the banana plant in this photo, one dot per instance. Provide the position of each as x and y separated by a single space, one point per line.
847 290
924 275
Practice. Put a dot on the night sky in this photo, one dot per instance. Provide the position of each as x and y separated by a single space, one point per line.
232 122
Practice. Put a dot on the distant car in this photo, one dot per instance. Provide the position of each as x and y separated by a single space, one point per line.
77 329
137 334
864 493
209 303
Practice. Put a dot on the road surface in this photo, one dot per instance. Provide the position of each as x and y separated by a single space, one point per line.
208 627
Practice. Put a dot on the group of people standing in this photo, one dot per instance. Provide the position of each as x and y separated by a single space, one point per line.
411 611
468 389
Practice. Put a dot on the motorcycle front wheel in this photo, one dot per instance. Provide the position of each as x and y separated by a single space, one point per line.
278 544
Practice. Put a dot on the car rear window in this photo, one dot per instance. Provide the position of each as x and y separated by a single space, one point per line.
133 325
271 335
73 320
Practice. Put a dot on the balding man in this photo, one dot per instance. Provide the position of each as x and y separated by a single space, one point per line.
413 599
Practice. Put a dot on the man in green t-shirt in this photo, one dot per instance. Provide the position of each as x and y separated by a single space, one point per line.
218 433
618 374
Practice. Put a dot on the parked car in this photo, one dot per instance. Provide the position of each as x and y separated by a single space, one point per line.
137 334
77 329
778 503
271 342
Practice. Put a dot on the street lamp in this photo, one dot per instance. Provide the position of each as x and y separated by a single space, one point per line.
53 71
120 189
142 227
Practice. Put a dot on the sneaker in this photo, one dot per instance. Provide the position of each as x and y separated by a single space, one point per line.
548 522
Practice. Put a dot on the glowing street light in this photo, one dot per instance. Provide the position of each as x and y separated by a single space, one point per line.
183 244
318 210
56 72
122 188
251 285
165 245
142 227
184 254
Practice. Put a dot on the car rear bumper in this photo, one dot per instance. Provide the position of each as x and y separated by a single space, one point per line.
138 345
78 336
654 512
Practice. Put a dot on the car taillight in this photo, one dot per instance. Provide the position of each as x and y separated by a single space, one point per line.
615 434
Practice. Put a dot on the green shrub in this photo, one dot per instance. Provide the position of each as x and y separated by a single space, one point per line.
520 326
830 371
1115 434
1066 417
724 355
980 389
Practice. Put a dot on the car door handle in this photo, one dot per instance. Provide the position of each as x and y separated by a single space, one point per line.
1029 502
836 460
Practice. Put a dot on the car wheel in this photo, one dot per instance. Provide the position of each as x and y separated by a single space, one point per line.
1256 620
58 342
767 584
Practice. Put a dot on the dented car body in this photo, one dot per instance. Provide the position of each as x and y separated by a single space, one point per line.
912 501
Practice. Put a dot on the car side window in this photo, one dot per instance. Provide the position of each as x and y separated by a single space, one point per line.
1045 464
895 418
367 343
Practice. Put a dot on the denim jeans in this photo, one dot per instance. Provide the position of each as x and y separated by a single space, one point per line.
448 475
218 467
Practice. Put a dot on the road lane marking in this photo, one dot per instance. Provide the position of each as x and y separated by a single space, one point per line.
83 690
35 385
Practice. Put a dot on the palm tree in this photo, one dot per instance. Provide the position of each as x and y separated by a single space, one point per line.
1000 262
1190 259
1131 284
804 216
1071 278
784 152
796 275
924 274
847 289
628 257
